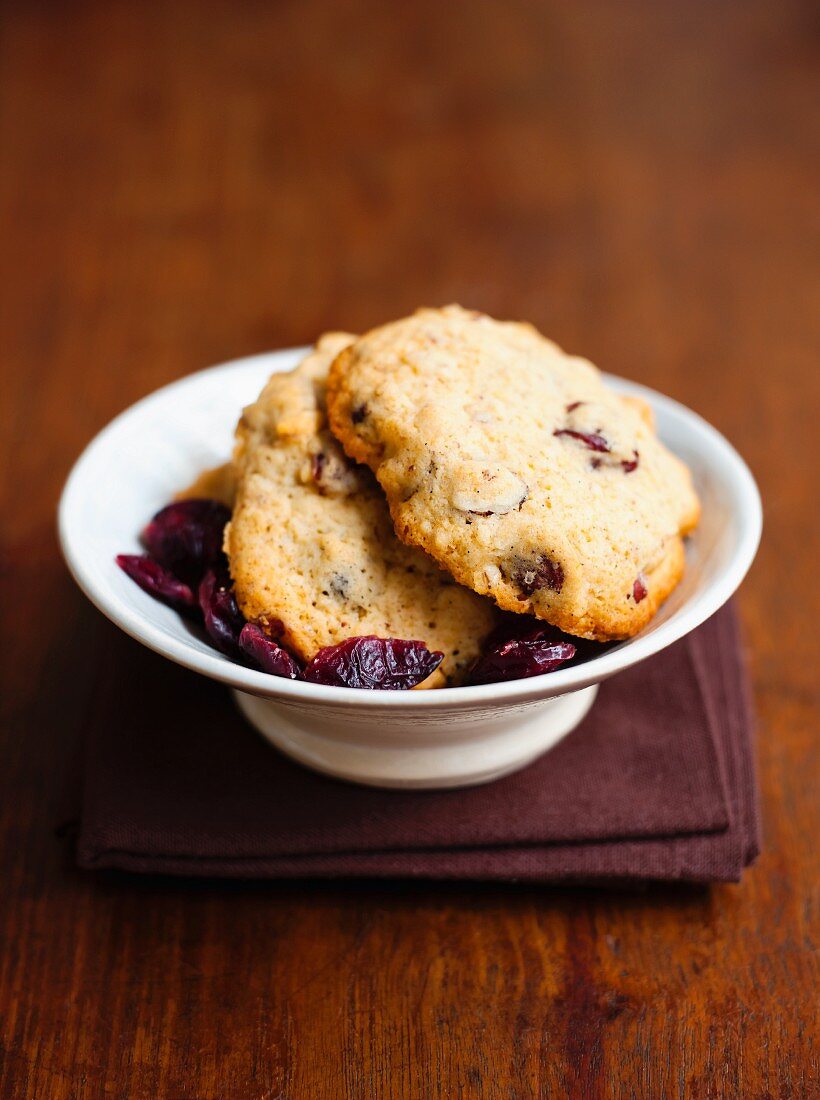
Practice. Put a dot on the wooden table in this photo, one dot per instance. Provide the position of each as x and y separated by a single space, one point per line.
183 183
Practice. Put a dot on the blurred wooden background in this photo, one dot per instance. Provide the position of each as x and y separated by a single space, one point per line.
187 182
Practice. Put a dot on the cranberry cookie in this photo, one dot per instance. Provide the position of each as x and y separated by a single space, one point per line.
312 550
218 483
514 466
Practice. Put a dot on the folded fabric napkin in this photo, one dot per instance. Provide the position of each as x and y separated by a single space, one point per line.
657 783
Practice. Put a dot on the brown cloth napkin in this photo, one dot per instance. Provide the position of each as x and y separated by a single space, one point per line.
657 783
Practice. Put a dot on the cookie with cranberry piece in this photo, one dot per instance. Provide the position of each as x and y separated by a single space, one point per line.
516 468
311 545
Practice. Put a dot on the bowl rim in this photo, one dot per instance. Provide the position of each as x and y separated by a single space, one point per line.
746 498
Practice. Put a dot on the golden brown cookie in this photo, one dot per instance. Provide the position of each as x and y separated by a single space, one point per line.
516 468
218 483
312 549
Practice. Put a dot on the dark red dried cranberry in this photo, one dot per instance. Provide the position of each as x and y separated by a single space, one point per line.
186 537
639 589
573 405
317 465
158 582
518 658
223 619
630 464
265 653
541 572
512 626
385 664
593 440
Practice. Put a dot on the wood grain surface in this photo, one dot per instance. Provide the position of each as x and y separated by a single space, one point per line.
184 182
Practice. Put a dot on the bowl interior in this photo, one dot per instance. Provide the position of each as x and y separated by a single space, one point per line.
136 465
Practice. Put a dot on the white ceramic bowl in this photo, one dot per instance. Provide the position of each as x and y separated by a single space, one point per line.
446 738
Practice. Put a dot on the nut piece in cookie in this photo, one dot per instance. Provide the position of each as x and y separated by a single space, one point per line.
311 545
516 468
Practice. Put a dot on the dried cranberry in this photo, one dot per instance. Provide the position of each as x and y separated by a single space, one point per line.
186 537
541 572
317 465
157 581
358 414
386 664
573 405
513 626
639 589
265 653
630 464
223 619
593 440
518 658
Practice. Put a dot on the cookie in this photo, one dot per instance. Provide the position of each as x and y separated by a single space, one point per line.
516 468
218 483
311 545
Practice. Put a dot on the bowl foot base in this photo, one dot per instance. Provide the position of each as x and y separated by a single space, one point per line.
490 750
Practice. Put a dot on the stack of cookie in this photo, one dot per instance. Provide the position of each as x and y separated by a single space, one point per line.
411 482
